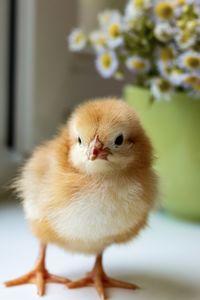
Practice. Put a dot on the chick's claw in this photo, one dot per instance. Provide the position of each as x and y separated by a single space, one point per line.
100 283
111 282
96 282
39 275
99 280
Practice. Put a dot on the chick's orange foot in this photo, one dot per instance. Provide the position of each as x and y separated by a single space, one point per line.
98 279
39 275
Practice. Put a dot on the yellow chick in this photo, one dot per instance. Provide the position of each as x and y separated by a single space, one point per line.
90 187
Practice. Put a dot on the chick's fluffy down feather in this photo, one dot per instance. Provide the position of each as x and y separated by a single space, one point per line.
85 205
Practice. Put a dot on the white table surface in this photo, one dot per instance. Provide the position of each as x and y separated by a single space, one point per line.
164 261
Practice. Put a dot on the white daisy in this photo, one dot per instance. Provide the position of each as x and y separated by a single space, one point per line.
107 63
106 16
175 76
137 64
161 89
190 80
135 8
163 32
98 40
192 83
164 10
190 60
166 54
114 34
77 40
185 39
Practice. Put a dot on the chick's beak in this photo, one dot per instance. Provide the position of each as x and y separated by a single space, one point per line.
97 150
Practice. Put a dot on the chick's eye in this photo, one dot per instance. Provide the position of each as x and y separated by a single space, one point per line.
119 140
79 140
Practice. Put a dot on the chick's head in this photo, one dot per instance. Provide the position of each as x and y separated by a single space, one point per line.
106 136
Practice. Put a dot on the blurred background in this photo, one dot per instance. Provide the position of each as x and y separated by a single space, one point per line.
40 83
40 80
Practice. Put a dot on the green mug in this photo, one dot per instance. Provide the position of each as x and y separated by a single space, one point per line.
174 128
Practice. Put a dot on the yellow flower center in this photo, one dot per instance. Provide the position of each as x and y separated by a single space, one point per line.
194 82
106 60
79 38
114 30
166 54
138 64
138 3
196 86
192 62
164 10
180 2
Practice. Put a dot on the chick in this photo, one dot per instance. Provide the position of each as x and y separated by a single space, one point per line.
90 187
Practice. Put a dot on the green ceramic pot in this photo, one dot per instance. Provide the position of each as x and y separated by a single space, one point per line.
174 128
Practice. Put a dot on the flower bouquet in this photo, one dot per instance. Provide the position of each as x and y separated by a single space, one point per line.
157 41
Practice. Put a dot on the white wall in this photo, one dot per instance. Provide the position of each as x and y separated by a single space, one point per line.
51 99
3 65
